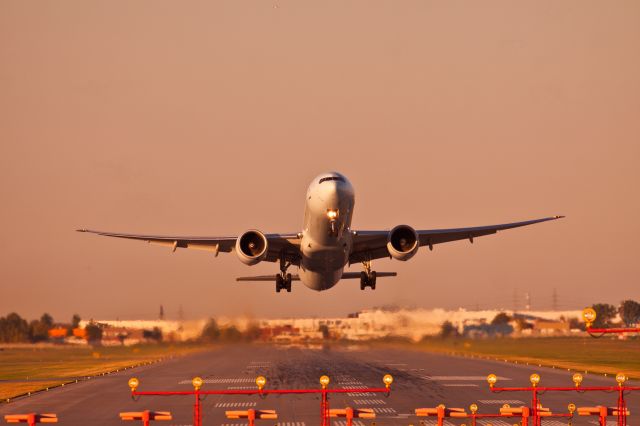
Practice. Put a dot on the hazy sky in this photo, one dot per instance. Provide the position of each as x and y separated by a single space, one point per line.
211 117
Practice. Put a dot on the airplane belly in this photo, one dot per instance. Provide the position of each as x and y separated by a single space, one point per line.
321 266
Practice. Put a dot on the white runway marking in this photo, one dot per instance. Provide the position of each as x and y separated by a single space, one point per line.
242 388
460 385
501 401
369 402
496 422
235 404
218 381
344 422
461 378
384 411
288 424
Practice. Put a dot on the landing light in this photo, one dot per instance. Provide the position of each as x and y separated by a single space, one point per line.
332 214
577 379
387 380
492 379
589 316
197 382
134 383
324 381
534 379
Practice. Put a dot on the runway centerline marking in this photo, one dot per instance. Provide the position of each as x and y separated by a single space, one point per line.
460 385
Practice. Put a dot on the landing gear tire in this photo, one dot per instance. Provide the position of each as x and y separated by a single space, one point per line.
287 283
368 280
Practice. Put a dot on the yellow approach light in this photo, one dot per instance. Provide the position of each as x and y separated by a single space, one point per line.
571 407
577 379
133 383
261 382
534 379
387 380
589 316
473 408
197 382
324 381
492 379
621 378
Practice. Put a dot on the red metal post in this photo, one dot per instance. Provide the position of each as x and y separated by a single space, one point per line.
440 415
525 416
349 416
197 421
31 419
145 417
324 409
251 415
534 407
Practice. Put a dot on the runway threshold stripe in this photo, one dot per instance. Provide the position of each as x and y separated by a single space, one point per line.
460 385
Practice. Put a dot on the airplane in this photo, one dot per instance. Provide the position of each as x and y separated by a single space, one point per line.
327 243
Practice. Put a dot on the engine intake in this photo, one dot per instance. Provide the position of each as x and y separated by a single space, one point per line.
252 247
402 242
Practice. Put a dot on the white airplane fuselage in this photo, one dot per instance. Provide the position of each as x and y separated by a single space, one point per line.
326 236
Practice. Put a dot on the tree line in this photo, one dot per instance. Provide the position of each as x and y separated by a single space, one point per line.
15 329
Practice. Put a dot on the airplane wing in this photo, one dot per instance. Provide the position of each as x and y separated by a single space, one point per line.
369 245
278 243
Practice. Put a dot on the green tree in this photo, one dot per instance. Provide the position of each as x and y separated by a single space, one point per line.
211 331
13 329
230 334
629 311
501 318
253 332
94 333
448 330
324 329
39 329
605 313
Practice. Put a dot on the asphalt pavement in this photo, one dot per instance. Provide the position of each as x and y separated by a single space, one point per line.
421 380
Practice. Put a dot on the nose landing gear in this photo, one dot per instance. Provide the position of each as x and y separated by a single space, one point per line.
367 277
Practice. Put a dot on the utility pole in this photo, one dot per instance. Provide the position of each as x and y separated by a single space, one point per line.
515 300
161 312
527 301
554 300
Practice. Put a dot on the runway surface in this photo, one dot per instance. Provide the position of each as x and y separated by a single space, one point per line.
421 380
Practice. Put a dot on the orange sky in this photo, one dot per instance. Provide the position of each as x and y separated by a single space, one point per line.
211 118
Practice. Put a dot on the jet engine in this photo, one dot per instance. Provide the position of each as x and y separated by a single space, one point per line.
252 247
403 242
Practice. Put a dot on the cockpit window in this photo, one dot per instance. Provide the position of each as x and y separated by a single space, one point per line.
338 178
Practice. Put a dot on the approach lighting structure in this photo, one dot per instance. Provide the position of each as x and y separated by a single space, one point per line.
577 379
589 316
387 380
134 383
492 379
534 379
197 382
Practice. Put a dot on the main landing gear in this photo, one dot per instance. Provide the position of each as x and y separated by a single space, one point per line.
283 279
367 277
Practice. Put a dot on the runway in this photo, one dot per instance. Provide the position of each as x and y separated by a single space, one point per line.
421 380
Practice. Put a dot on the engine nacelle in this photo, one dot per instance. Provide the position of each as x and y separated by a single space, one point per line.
403 242
252 247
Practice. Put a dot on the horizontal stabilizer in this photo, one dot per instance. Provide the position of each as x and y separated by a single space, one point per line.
270 278
356 275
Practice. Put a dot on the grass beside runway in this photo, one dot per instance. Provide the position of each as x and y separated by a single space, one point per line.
604 355
31 368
